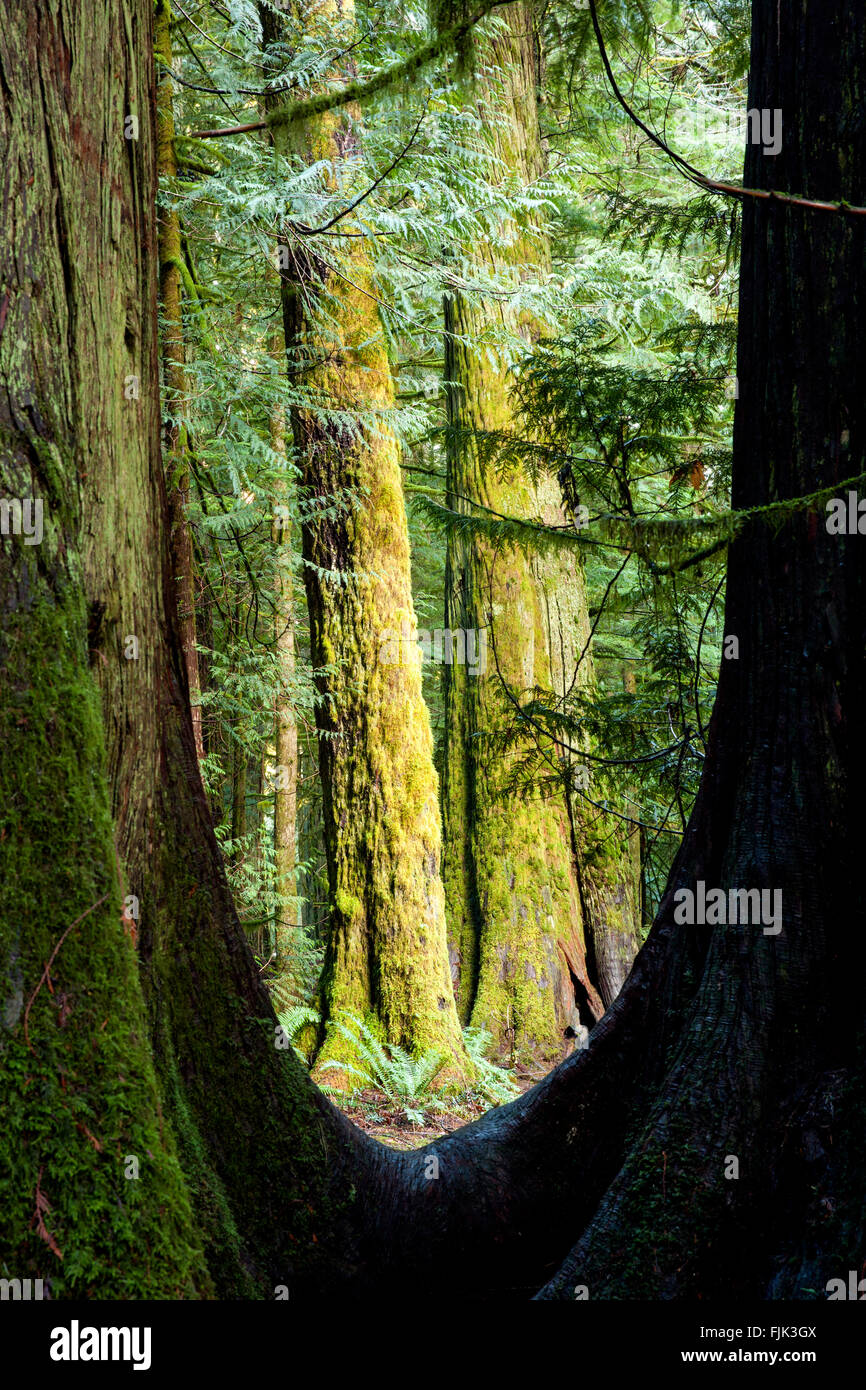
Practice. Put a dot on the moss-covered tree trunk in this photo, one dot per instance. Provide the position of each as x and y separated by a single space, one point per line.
148 1105
533 903
386 957
90 1172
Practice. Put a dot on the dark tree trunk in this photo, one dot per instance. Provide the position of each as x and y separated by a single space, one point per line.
752 1047
386 953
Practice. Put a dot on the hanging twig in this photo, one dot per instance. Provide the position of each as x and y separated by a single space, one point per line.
46 971
694 175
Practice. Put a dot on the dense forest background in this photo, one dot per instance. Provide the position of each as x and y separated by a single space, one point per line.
433 423
555 306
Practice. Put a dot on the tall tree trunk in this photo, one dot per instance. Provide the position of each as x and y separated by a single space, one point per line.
386 955
90 1173
525 913
173 367
141 1158
755 1050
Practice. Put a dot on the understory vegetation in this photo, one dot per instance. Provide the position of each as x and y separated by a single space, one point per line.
616 354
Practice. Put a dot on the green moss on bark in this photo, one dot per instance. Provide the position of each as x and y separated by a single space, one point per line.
81 1106
387 951
515 888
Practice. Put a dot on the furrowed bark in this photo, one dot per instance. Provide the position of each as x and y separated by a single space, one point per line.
523 912
757 1043
93 1196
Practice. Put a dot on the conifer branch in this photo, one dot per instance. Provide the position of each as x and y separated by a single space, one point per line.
367 87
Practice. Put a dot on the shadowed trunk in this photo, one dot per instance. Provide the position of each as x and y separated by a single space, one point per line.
753 1049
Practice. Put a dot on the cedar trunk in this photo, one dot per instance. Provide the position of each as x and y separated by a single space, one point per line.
754 1047
543 932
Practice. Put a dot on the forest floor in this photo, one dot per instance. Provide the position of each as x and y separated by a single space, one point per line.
379 1116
